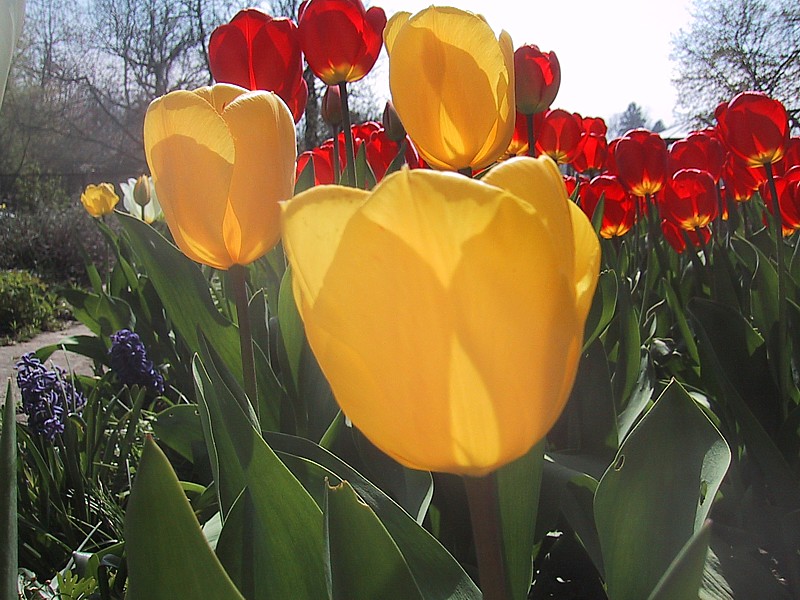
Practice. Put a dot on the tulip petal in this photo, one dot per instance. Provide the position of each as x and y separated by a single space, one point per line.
518 325
420 332
587 259
190 153
264 136
313 223
393 26
539 183
503 130
446 71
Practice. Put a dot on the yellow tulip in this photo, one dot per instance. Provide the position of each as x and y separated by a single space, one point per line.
221 159
447 313
99 200
452 83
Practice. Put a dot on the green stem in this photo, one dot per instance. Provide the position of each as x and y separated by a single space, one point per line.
781 356
348 137
238 281
484 510
336 172
531 136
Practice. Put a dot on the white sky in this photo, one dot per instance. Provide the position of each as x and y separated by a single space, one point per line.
612 53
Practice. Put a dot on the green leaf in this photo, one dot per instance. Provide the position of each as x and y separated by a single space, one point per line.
168 557
306 178
518 486
629 353
734 366
684 576
8 498
314 404
438 575
179 428
604 304
271 541
590 413
364 560
101 313
657 493
184 292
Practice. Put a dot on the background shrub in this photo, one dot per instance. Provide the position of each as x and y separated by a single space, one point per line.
45 230
26 305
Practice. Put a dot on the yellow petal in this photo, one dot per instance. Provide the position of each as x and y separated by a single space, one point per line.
190 153
587 259
500 137
446 70
428 209
264 137
220 95
440 314
539 183
393 25
513 304
313 223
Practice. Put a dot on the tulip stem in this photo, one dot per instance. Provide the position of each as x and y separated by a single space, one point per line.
238 281
336 172
531 137
484 510
348 136
780 346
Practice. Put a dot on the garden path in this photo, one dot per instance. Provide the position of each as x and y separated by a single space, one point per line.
9 355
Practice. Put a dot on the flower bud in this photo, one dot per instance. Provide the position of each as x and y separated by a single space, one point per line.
141 191
392 123
332 106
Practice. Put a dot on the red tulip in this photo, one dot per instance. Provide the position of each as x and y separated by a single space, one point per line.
788 188
594 125
699 150
690 199
381 151
322 161
754 127
791 157
619 210
740 179
592 153
559 135
340 39
257 52
676 235
519 141
537 79
571 183
641 161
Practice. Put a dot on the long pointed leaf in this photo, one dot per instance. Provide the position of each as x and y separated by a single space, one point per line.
168 557
272 542
646 515
8 499
364 560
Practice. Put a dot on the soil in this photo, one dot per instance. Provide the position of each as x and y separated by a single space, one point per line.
9 355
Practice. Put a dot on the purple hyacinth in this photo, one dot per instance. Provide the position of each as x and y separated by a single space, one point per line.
130 363
48 397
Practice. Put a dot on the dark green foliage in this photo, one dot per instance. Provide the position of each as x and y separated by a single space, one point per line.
26 305
46 231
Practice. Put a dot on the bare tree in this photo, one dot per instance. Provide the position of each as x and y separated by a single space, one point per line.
732 46
91 68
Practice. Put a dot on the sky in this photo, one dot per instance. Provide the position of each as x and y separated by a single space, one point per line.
611 53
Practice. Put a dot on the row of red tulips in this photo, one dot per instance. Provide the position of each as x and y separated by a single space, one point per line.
691 184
